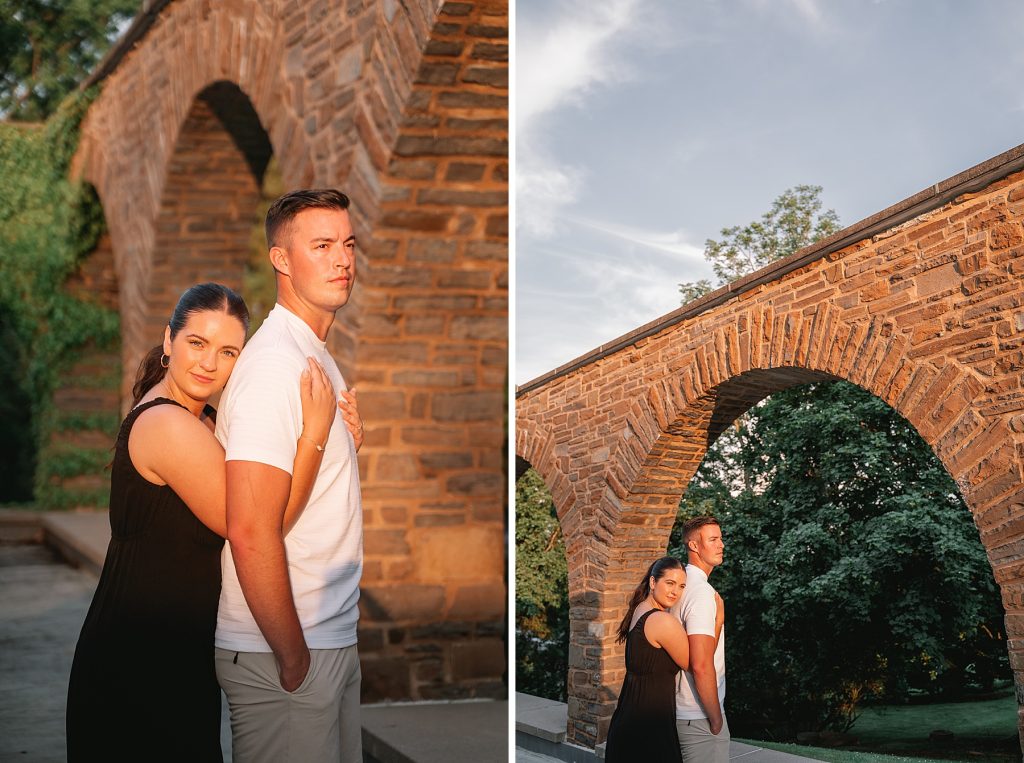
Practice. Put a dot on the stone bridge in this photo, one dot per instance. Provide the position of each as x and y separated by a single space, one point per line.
921 304
403 105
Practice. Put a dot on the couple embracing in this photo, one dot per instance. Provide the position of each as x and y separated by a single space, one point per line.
671 703
270 616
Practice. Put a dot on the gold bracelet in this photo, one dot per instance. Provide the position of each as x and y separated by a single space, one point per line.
318 446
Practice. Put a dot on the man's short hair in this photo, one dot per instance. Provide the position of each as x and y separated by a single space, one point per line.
284 210
693 525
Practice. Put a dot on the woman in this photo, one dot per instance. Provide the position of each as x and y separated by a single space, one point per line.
142 683
643 726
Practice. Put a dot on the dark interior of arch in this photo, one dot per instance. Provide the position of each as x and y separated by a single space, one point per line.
734 397
234 110
521 466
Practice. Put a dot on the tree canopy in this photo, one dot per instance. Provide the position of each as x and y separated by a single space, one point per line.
795 220
48 47
853 570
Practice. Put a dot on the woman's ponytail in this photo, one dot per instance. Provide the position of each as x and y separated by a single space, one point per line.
151 371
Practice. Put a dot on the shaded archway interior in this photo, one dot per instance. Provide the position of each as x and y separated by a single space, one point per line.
734 397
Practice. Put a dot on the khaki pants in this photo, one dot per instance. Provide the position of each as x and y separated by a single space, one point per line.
699 745
319 721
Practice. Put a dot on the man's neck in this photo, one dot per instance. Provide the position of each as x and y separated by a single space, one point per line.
318 321
700 564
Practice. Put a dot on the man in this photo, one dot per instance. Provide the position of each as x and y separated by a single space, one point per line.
700 692
286 626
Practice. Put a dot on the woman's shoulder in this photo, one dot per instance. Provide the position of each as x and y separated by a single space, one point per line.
662 621
167 419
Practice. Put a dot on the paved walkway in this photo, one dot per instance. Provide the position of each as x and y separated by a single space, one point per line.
540 737
43 602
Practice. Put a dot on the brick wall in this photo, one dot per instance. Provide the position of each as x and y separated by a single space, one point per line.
404 107
927 314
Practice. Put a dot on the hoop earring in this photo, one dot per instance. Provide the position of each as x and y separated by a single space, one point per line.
163 363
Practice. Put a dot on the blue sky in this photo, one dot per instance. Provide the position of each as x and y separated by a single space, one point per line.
643 127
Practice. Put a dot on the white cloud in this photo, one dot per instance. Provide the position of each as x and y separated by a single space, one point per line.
672 242
810 11
543 189
558 61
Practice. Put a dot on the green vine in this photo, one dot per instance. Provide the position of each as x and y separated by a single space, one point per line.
48 224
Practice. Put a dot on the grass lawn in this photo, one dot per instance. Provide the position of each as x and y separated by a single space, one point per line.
838 756
983 730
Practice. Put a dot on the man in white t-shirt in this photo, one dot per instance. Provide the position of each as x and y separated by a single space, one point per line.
700 692
286 626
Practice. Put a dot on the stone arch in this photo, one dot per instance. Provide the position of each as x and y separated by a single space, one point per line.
920 305
669 431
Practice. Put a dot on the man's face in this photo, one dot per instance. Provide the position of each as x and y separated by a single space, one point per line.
708 545
320 250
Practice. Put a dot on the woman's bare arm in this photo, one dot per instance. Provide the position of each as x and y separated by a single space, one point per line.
664 629
170 446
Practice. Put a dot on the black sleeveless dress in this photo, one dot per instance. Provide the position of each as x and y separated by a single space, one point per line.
643 727
143 685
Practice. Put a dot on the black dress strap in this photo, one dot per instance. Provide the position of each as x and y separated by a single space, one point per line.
643 617
134 413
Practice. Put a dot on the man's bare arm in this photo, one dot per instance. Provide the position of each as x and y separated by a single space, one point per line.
702 664
256 498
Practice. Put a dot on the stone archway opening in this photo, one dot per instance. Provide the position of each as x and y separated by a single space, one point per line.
208 208
542 590
855 576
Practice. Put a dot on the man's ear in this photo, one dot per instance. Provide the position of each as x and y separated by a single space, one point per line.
279 260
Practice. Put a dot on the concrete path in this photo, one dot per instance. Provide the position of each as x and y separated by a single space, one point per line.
44 605
540 737
43 602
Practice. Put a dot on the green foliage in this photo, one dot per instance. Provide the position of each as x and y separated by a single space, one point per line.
794 221
47 225
47 48
542 593
853 568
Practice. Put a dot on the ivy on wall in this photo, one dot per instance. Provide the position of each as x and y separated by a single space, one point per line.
48 224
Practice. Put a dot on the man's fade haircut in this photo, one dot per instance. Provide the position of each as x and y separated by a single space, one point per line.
692 525
284 210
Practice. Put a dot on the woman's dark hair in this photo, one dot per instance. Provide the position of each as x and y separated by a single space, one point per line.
197 299
657 570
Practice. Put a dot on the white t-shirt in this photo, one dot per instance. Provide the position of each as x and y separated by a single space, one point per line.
697 613
260 419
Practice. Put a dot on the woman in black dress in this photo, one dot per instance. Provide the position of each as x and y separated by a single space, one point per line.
143 685
643 727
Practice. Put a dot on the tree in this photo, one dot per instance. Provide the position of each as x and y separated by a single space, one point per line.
794 221
542 593
853 569
47 47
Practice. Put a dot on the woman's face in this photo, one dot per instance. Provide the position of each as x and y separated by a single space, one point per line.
203 353
669 588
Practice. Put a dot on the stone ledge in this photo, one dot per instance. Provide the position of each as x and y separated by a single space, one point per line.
436 732
80 537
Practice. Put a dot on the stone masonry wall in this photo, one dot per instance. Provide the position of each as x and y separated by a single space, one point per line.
928 315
